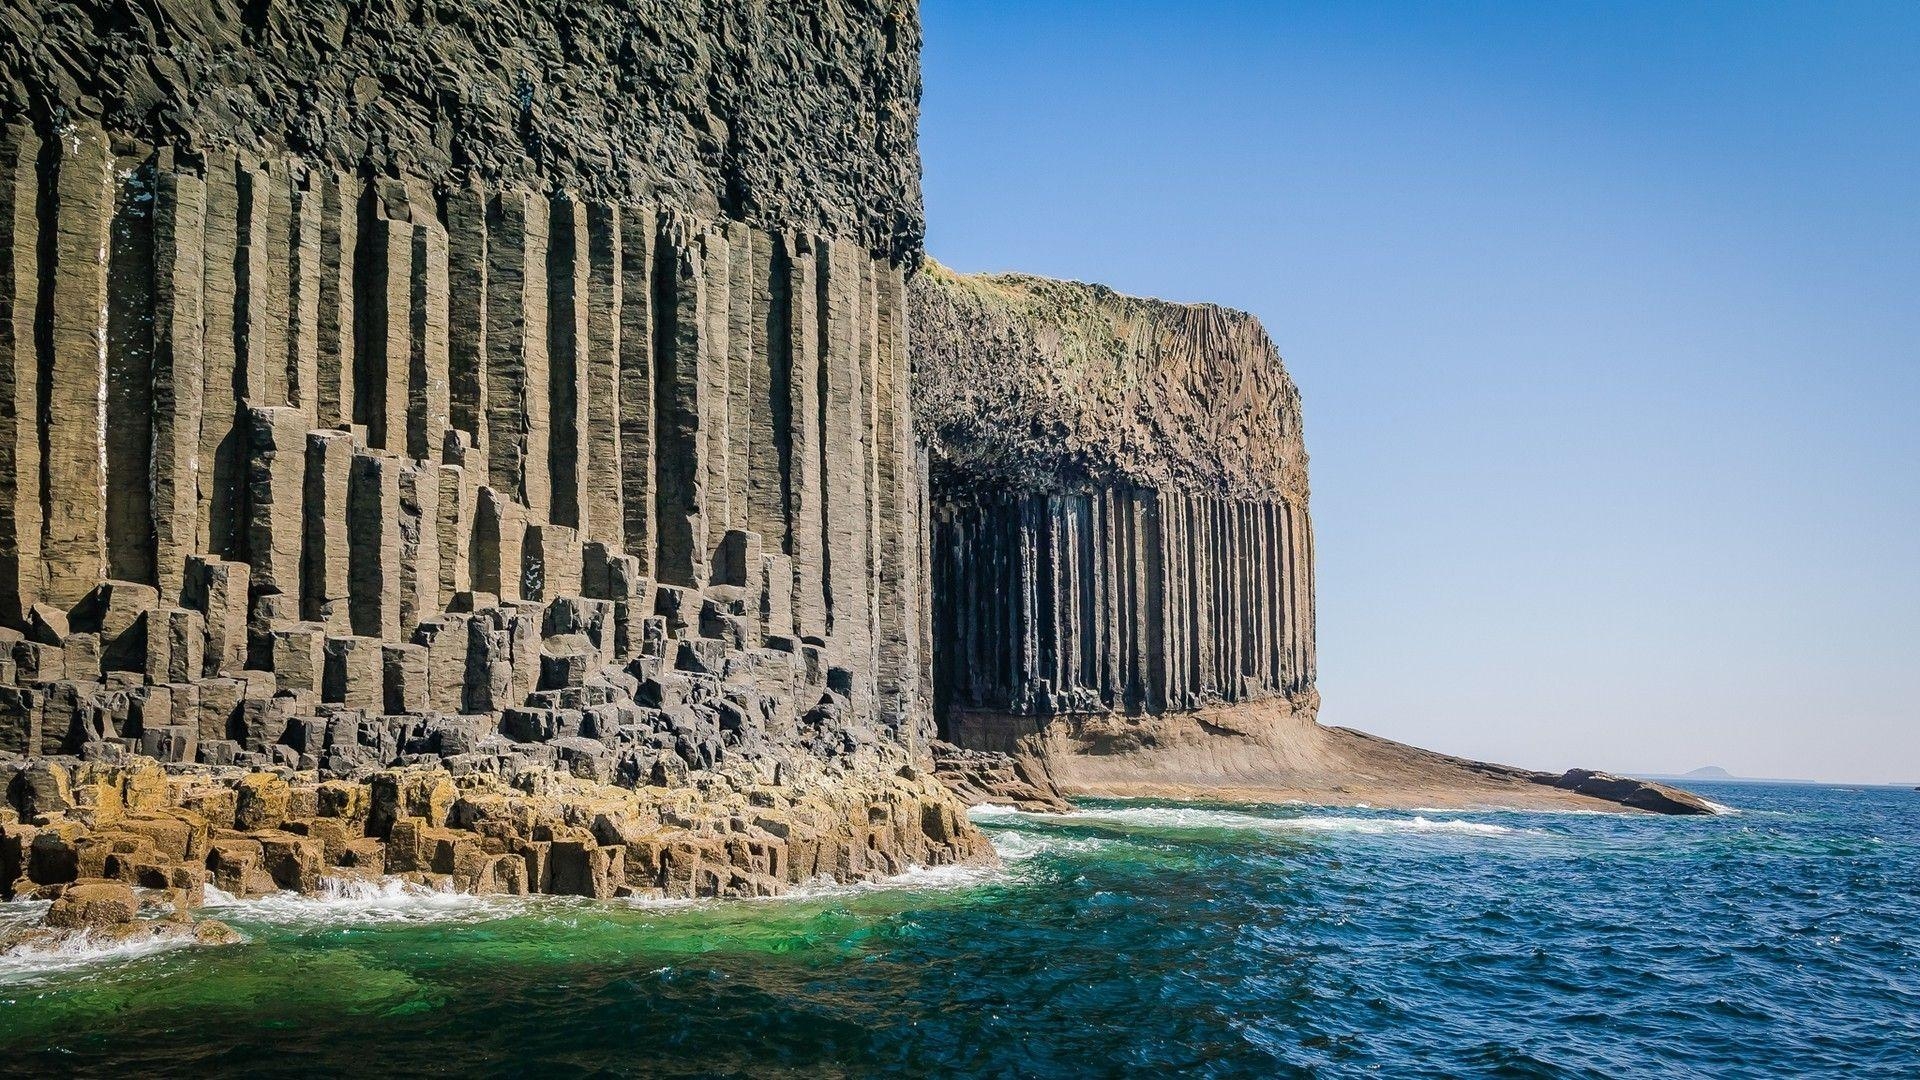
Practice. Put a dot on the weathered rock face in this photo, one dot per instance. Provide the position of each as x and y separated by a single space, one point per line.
497 389
1118 505
786 115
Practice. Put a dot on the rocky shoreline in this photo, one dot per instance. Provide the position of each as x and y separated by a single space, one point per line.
1265 751
102 840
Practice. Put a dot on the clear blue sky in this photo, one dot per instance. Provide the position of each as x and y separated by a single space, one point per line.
1606 316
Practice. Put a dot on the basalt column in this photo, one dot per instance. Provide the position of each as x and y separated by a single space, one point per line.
1118 492
288 442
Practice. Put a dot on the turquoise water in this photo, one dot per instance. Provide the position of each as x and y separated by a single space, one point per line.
1133 938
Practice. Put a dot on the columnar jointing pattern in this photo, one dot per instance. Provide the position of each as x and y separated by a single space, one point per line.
1118 600
277 442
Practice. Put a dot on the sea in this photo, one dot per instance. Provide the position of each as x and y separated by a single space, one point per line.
1127 938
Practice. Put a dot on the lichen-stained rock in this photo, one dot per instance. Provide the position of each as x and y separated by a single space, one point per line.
88 904
746 830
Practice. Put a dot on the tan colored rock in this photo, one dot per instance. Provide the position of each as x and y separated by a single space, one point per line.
90 904
260 802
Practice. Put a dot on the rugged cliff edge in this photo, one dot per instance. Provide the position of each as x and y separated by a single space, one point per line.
1123 590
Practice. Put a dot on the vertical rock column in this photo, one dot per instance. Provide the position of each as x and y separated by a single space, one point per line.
898 583
337 210
844 480
602 507
681 391
22 573
771 404
277 489
221 472
638 410
383 303
326 570
568 361
178 378
466 224
306 206
429 345
75 541
805 521
127 387
741 347
516 346
373 546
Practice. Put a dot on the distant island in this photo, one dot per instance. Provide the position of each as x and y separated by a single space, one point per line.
1709 772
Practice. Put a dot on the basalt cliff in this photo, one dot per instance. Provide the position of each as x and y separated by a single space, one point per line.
1122 561
517 446
463 442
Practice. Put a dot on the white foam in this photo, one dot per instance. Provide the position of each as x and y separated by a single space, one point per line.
1015 846
987 811
32 962
358 901
1720 809
913 877
1195 818
1498 808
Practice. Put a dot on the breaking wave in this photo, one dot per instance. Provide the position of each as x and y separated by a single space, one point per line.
35 961
1174 817
359 901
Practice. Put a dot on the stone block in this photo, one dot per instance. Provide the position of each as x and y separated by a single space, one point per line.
36 662
550 562
219 711
565 661
299 657
445 640
186 631
354 677
47 625
178 743
217 589
20 720
680 607
736 561
407 678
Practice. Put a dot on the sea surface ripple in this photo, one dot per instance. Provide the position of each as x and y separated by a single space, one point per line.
1125 938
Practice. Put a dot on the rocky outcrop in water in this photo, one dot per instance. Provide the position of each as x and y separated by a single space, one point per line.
518 392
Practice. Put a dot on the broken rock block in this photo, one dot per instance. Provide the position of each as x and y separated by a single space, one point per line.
354 677
299 657
218 590
565 661
406 682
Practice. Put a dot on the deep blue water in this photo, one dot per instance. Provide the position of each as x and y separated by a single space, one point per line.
1127 939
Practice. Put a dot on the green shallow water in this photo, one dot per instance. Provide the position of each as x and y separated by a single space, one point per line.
1129 938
